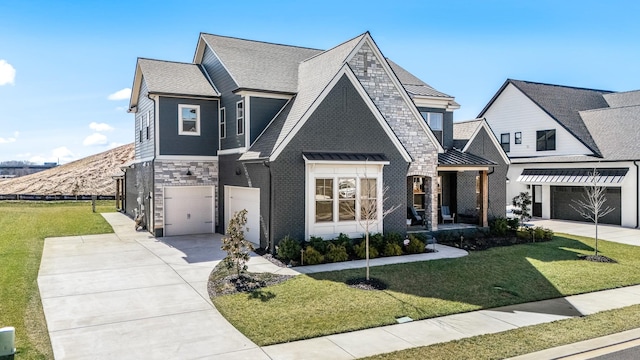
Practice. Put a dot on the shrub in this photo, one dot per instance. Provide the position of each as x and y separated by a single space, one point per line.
415 245
392 249
344 240
312 256
513 224
288 249
235 244
361 250
548 234
377 241
394 238
319 244
336 253
499 226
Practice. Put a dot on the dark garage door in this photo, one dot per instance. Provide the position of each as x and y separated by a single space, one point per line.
561 201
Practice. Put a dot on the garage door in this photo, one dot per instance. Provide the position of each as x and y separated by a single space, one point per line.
188 210
239 198
561 201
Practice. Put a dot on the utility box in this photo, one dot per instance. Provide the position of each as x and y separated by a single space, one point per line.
7 343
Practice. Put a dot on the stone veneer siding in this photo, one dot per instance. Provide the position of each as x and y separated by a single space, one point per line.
388 99
173 173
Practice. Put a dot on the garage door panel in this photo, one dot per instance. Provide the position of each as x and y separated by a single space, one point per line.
188 210
240 198
563 197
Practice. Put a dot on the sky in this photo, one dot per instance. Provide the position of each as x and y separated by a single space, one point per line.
66 67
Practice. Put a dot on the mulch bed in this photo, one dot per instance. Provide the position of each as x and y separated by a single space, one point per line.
248 282
364 284
597 258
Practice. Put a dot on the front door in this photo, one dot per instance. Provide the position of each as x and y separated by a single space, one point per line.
537 201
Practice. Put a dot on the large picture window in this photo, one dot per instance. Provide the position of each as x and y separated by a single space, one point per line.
546 140
342 196
188 119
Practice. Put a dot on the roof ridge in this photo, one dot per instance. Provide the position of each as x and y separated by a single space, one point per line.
260 41
609 108
334 47
562 86
167 61
467 121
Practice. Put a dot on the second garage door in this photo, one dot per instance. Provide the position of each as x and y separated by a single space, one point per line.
562 198
188 210
239 198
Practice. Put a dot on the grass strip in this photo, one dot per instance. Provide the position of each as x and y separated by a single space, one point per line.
527 339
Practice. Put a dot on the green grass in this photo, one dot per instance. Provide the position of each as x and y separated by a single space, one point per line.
23 228
321 304
528 339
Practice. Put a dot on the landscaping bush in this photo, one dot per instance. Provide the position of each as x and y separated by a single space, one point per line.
392 249
514 224
319 244
361 250
377 241
393 238
345 240
336 253
288 249
312 256
499 226
416 246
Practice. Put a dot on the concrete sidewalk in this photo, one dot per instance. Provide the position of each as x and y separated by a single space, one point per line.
128 295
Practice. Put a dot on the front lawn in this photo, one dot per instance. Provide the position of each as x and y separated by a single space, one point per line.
322 304
23 228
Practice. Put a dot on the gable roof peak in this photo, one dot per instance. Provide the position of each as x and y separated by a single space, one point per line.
516 82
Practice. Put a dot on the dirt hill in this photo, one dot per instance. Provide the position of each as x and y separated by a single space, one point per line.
87 176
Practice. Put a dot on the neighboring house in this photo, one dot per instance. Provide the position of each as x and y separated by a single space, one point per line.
296 136
556 135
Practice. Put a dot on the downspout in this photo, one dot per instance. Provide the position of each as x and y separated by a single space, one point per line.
635 162
271 198
151 226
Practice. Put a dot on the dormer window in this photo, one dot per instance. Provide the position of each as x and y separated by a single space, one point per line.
189 120
433 119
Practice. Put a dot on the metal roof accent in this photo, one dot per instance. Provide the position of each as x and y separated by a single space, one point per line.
456 157
344 156
573 175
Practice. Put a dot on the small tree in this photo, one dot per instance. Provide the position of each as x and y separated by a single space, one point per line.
522 203
235 244
369 210
592 205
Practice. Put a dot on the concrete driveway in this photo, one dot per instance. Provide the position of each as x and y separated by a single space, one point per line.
128 295
629 236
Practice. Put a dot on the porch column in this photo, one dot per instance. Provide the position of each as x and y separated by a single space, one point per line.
484 188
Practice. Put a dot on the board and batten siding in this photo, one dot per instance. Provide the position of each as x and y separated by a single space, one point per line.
225 85
514 112
144 148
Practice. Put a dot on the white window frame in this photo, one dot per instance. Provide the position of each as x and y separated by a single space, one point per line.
337 171
146 122
180 125
240 125
426 115
223 123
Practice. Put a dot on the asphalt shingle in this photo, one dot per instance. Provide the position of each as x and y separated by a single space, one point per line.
166 77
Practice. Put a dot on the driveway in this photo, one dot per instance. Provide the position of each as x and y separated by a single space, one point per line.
619 234
128 295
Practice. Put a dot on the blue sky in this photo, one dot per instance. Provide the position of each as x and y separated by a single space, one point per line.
64 63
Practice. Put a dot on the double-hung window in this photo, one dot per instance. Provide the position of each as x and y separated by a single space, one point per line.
146 124
223 123
505 141
546 140
240 117
189 120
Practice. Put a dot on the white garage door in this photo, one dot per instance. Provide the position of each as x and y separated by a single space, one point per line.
188 210
239 198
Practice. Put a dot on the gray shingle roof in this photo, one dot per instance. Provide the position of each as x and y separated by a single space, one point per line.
619 99
456 157
412 84
165 77
463 130
260 65
616 131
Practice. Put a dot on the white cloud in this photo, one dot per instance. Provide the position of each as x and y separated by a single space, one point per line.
100 127
120 94
61 155
7 140
7 73
95 139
